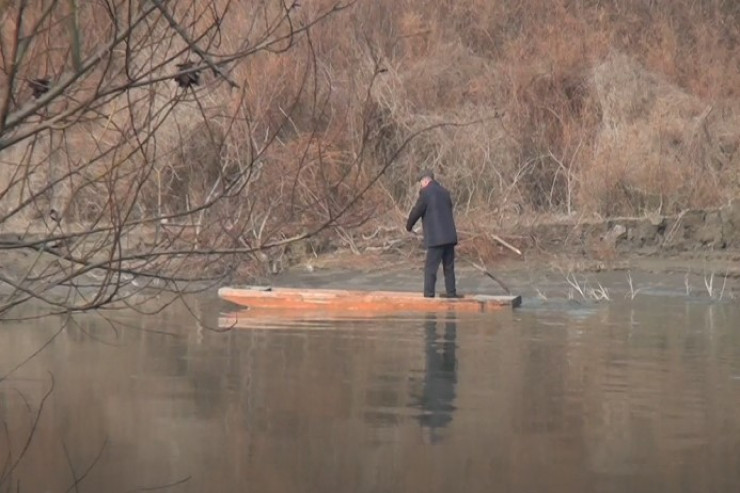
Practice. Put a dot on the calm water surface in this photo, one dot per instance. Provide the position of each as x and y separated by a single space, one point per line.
627 396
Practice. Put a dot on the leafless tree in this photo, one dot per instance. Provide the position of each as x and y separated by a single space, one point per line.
150 145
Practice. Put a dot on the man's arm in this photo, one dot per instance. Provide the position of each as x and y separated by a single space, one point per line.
416 212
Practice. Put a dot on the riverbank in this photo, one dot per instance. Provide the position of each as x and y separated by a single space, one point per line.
706 241
697 248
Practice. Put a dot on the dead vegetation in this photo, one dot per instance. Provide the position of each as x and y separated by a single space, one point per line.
241 135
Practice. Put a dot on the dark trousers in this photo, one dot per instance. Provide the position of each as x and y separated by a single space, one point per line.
446 255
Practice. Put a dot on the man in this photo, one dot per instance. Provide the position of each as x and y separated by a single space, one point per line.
434 207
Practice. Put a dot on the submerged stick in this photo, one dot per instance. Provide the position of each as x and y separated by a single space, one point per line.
487 273
506 244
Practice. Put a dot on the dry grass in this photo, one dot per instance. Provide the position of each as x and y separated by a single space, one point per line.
570 108
607 110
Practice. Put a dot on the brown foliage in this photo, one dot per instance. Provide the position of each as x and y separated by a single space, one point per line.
572 108
580 129
601 102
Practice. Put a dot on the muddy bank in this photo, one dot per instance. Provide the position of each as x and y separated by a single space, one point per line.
703 232
701 243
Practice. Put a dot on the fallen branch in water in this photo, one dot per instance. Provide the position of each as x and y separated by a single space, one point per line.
487 273
506 244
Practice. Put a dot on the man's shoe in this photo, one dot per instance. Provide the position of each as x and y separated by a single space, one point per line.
454 295
426 295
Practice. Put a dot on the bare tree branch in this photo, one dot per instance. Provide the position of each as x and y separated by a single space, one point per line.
192 44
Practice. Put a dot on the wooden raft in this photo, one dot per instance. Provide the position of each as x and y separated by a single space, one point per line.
360 301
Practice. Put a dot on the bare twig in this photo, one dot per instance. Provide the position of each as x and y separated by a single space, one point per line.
709 284
485 271
184 35
8 474
633 292
506 244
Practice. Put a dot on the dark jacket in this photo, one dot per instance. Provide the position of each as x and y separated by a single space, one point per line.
434 207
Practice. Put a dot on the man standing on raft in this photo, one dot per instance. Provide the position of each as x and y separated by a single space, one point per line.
434 208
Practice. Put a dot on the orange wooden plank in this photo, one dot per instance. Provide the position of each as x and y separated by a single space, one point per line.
361 301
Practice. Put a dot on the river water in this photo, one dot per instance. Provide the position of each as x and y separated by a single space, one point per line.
629 395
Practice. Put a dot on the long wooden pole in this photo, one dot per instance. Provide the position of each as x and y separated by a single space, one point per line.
487 273
507 244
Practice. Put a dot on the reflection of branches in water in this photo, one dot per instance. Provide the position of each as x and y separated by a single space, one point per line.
76 323
9 463
164 486
78 479
69 320
8 455
200 320
36 352
8 467
117 324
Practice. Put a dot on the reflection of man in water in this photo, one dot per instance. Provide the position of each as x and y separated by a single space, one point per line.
440 376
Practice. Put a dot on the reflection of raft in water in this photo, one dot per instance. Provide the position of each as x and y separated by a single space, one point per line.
336 300
269 318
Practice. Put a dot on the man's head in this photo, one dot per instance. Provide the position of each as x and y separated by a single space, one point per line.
425 177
